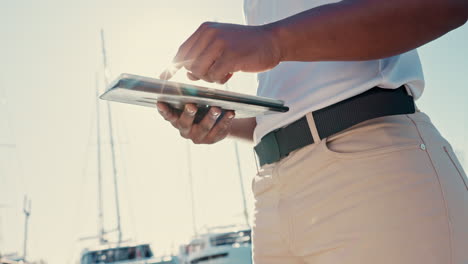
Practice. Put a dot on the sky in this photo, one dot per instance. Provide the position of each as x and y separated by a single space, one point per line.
50 67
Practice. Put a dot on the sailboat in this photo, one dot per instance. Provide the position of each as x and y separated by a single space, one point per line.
118 252
220 245
4 260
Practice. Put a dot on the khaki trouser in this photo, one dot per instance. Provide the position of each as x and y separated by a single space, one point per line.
389 190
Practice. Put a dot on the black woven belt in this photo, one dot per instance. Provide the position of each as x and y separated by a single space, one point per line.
376 102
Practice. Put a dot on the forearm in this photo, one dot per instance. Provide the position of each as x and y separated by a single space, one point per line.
243 128
365 29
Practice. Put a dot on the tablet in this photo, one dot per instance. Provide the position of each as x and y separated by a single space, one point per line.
145 91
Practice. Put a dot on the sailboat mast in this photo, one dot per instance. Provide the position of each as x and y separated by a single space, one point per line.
111 137
114 169
246 212
99 168
27 213
104 58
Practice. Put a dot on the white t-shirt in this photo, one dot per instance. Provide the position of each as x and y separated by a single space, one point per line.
308 86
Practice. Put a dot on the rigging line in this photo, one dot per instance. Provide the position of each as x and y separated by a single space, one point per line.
84 178
111 137
121 132
189 166
241 178
19 163
125 178
114 170
99 170
3 101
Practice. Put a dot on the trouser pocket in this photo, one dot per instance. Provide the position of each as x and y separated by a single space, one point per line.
375 137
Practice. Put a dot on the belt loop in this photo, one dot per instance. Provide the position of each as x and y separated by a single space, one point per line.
257 163
408 90
312 127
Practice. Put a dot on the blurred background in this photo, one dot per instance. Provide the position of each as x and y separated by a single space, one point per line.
50 65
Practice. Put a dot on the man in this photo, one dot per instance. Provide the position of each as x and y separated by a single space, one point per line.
353 173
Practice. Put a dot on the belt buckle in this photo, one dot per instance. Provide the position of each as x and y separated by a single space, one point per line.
268 150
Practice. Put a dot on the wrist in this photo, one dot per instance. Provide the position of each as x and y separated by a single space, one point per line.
277 37
243 129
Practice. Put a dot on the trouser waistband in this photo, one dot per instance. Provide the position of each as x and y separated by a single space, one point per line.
376 102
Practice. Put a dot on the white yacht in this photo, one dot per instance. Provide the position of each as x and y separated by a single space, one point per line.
218 246
10 259
125 253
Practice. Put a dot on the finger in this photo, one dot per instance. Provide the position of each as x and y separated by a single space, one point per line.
167 112
192 77
179 59
202 129
170 71
203 41
226 78
221 129
167 74
206 59
177 62
219 70
185 121
187 45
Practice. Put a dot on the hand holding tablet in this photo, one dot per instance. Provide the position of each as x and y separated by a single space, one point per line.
201 114
145 91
